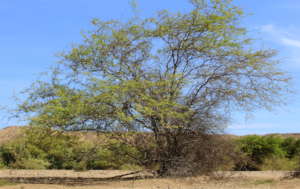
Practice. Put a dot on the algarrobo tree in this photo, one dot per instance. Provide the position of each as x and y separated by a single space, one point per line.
172 74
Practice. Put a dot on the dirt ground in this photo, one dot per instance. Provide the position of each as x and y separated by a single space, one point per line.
61 173
236 180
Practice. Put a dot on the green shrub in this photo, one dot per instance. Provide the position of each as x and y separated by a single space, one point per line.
292 147
80 166
13 152
2 165
42 148
132 167
278 164
258 148
31 164
4 182
113 155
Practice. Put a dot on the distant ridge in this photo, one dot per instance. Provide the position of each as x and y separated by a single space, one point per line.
13 132
293 135
10 133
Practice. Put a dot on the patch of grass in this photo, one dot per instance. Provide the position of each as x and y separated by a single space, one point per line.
265 181
4 182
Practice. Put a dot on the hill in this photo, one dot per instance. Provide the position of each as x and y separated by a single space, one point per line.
13 132
10 133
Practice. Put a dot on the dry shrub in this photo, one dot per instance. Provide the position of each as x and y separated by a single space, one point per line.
188 154
201 154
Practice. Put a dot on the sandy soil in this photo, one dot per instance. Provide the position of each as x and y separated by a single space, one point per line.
175 184
238 180
61 173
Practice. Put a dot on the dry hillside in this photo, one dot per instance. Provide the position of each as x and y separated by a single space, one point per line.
10 133
13 132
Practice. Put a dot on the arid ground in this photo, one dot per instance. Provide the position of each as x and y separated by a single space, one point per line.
247 180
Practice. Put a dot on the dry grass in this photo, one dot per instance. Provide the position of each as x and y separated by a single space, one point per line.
238 180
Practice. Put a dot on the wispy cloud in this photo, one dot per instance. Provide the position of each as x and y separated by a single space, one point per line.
282 36
290 42
288 38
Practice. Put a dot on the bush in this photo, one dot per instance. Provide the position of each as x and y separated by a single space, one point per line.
113 155
2 165
42 148
278 164
201 154
289 146
131 167
38 164
292 147
259 148
13 152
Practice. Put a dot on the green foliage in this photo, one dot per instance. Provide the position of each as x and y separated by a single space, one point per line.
258 148
292 147
114 155
132 167
4 182
269 152
44 148
40 148
279 164
30 164
2 165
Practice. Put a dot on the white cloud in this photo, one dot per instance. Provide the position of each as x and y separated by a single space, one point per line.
284 37
288 38
290 42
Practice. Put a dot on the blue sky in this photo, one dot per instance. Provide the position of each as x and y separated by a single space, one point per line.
33 31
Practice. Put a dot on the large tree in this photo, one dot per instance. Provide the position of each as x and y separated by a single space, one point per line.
172 75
